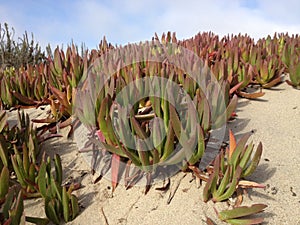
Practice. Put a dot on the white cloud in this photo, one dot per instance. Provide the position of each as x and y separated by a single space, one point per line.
132 21
222 17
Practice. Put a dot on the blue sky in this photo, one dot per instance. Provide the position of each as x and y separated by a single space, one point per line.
60 22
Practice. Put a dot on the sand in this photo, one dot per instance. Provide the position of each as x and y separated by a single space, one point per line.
273 120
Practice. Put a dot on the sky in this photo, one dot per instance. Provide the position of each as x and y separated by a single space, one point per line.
130 21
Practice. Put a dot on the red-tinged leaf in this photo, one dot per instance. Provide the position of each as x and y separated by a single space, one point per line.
100 136
273 82
8 222
235 88
292 84
245 221
251 95
232 143
24 99
241 211
115 166
65 123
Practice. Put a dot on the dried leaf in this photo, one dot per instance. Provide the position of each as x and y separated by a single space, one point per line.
251 95
250 184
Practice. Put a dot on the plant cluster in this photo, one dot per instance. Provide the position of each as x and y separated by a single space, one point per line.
230 167
24 176
240 59
140 105
237 59
152 113
146 124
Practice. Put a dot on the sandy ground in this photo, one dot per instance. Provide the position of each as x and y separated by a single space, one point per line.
274 120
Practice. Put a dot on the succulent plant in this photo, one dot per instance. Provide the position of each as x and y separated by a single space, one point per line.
230 167
24 86
18 152
289 47
59 201
11 203
240 215
12 208
4 178
294 71
19 139
159 128
150 131
269 71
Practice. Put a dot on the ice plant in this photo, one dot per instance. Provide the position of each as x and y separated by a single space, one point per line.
19 138
24 86
269 71
294 71
242 215
59 200
160 128
230 167
12 208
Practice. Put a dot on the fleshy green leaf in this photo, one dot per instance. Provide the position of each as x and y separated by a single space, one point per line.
241 211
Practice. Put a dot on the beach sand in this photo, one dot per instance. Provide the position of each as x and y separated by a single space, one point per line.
274 120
